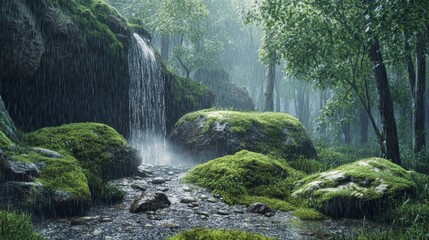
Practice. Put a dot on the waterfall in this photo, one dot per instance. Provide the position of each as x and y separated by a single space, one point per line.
147 103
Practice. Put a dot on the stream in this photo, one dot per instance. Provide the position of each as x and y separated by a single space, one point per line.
117 223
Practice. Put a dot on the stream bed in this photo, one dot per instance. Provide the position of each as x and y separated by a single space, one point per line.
117 223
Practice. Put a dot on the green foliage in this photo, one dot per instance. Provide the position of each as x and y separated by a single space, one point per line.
309 166
17 226
308 214
5 142
246 177
216 234
92 144
343 154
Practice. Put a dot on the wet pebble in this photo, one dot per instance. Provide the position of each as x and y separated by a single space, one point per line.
223 212
188 200
82 220
202 213
170 225
139 187
170 173
187 189
212 200
165 189
158 180
106 219
204 197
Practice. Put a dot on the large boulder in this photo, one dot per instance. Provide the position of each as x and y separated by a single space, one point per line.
358 189
44 186
246 178
100 150
150 202
212 133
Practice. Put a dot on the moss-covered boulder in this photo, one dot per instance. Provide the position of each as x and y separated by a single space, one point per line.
212 133
101 151
45 186
247 177
217 234
358 189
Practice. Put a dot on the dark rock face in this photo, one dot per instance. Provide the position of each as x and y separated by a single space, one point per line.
150 202
20 171
227 94
56 72
6 124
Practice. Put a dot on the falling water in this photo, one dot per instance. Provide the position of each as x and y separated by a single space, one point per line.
147 104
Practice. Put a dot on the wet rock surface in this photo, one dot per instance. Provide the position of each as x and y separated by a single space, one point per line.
117 223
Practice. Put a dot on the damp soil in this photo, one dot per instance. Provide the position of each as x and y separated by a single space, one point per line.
117 223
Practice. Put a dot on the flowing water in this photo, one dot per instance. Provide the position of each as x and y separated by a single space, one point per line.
147 103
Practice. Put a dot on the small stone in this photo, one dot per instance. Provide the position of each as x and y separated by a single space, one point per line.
158 180
204 197
148 225
150 213
151 217
187 189
106 219
108 238
203 217
82 220
188 200
193 204
139 187
165 189
171 225
202 213
212 200
96 232
223 212
170 173
137 178
239 211
261 208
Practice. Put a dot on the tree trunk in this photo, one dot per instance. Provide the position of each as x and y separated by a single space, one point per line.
165 47
278 99
269 91
419 109
390 135
364 125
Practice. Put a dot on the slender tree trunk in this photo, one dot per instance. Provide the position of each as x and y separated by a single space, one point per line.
364 125
388 121
165 47
269 91
278 99
419 110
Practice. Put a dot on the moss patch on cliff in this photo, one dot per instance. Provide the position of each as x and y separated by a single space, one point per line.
216 234
5 142
94 18
92 144
17 226
247 177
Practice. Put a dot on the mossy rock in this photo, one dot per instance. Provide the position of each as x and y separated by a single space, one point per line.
59 187
247 177
5 142
212 133
102 153
358 189
217 234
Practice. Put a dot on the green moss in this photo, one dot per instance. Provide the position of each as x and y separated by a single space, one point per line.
367 179
17 226
273 130
5 142
92 16
92 144
216 234
308 214
246 177
59 174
